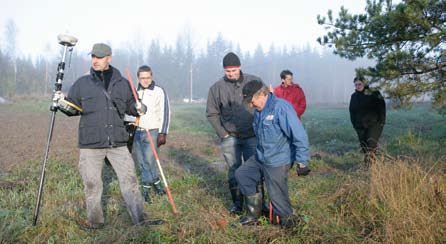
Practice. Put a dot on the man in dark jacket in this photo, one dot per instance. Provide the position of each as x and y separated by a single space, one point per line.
103 97
368 116
232 121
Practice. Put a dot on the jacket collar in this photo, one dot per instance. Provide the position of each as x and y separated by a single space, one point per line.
115 74
286 87
268 103
239 81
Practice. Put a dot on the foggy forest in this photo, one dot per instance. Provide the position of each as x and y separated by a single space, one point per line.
184 70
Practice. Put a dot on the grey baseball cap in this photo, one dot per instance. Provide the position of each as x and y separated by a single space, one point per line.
101 50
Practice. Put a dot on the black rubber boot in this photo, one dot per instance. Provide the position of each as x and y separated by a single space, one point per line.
265 206
159 189
254 209
146 193
237 199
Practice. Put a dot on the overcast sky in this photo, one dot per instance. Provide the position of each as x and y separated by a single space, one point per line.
247 22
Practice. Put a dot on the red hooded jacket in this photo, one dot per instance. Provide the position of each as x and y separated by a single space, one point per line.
294 95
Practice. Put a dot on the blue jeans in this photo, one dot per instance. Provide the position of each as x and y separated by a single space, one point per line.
234 150
144 156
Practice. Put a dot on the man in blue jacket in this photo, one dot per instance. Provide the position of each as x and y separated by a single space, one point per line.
281 141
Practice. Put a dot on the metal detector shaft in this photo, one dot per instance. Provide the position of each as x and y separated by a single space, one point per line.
66 41
166 186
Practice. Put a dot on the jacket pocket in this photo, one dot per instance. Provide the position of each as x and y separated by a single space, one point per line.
89 104
120 134
226 114
270 132
89 135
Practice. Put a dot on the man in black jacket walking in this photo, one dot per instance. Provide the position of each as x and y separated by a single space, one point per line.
368 116
104 96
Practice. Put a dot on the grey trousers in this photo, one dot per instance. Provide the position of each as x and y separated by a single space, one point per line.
276 178
91 163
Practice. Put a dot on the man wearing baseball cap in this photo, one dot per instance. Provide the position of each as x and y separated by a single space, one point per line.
104 96
232 121
281 141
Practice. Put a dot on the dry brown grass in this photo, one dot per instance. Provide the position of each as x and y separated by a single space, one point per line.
413 201
396 201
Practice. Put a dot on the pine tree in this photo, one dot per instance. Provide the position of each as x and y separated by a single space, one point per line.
407 41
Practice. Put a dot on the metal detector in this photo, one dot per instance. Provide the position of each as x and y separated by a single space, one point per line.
68 42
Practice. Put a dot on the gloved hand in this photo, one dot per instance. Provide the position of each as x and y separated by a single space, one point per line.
302 169
140 108
66 106
161 140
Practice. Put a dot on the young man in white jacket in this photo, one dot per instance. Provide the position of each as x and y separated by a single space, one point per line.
156 121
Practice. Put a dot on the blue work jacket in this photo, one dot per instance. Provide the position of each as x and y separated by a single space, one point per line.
281 138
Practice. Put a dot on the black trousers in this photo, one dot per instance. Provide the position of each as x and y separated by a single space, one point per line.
368 137
249 174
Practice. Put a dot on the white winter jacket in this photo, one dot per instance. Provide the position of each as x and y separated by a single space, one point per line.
158 110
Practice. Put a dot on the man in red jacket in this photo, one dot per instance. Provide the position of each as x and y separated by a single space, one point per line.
291 92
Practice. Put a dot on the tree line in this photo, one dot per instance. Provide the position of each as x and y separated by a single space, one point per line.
398 47
185 72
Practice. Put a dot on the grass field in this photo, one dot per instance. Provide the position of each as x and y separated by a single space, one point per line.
400 199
